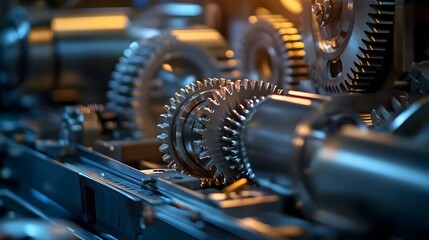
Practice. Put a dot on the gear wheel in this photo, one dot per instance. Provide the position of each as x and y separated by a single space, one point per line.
179 130
347 43
272 51
232 100
192 126
151 70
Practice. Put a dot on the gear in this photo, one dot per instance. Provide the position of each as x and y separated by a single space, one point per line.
179 130
348 42
217 132
192 126
272 51
151 70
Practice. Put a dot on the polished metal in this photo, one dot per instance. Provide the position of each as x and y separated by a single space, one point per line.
272 51
341 186
348 43
152 70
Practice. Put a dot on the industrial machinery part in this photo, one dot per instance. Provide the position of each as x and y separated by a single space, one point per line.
272 51
417 86
191 140
53 61
80 124
339 185
14 31
248 130
152 70
348 43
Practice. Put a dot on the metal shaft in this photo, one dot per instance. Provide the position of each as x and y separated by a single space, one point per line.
383 185
268 133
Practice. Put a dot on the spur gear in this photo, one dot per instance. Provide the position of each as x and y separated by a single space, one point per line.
348 43
232 100
191 129
179 131
272 51
151 70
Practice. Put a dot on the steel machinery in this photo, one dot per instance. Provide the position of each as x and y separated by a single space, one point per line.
214 119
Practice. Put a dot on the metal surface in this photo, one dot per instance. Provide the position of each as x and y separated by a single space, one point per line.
237 159
178 135
348 43
272 51
226 101
341 186
152 70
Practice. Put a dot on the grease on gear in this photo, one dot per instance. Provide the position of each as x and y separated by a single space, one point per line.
272 51
348 43
152 70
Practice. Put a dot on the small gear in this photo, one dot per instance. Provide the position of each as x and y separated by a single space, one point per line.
179 130
217 127
348 43
272 51
232 148
152 70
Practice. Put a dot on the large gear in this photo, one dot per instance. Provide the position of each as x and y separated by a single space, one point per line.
179 123
272 51
348 43
152 70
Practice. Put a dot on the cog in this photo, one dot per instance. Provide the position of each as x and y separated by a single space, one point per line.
272 51
151 70
180 130
218 132
348 43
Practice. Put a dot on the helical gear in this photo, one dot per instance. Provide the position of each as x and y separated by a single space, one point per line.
350 52
272 51
178 133
137 93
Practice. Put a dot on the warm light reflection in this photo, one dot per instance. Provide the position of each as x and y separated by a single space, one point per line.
229 54
300 101
40 35
308 95
192 35
167 67
112 22
282 231
253 19
293 6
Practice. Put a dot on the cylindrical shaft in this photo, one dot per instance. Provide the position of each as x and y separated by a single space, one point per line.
268 133
373 177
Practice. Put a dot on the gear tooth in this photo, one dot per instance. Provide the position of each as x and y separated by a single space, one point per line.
167 158
162 136
164 148
171 165
163 126
209 109
199 84
179 97
214 102
209 83
244 84
230 88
